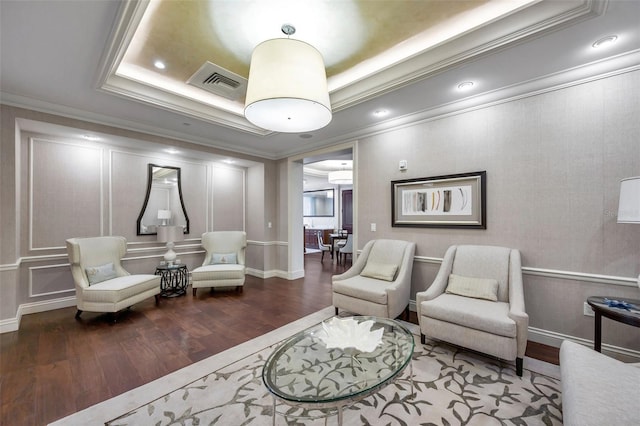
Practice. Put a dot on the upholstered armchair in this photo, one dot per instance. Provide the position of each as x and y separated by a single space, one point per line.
102 284
477 301
379 282
224 263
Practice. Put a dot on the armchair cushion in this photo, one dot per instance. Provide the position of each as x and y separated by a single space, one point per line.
98 274
477 314
479 288
364 288
380 271
120 288
224 258
221 271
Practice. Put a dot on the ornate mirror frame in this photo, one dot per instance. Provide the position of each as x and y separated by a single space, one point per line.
150 178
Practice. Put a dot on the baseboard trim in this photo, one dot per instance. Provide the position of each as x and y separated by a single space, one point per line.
551 338
13 324
276 273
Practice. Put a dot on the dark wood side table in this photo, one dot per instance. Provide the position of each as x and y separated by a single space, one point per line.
173 279
601 309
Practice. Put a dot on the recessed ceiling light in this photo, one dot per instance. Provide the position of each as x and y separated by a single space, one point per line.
228 161
465 85
91 137
605 41
380 112
159 64
171 151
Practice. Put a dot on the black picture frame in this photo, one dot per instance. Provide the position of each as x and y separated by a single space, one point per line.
448 201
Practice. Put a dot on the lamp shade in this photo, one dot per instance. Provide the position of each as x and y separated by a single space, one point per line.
164 214
287 89
169 234
341 177
629 205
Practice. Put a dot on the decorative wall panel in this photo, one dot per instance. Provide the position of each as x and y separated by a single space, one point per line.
65 192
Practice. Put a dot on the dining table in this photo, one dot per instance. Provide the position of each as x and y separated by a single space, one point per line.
336 237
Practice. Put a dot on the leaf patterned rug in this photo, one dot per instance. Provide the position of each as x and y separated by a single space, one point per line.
454 387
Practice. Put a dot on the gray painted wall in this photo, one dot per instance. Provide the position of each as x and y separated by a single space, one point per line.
54 188
554 162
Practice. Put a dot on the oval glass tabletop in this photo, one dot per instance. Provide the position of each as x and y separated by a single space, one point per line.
302 370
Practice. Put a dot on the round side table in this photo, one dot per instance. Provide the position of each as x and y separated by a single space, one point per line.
630 316
173 279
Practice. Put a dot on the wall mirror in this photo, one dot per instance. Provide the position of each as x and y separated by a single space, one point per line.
318 203
163 204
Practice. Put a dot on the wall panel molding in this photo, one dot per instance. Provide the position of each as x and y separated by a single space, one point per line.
554 273
32 143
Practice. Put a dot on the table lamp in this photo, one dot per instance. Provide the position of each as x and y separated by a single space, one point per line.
629 206
170 234
164 216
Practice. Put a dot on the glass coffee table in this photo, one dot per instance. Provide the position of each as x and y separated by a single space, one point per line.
302 372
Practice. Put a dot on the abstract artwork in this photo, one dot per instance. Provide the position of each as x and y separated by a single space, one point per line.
440 201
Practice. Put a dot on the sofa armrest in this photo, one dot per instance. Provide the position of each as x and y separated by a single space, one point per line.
597 389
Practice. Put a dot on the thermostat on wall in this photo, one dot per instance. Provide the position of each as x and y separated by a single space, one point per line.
403 165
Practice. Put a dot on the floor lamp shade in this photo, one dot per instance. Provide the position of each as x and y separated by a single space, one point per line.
629 206
287 89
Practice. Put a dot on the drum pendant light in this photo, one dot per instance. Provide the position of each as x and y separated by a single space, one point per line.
287 88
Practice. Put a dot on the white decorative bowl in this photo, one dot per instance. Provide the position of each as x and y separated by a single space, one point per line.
344 333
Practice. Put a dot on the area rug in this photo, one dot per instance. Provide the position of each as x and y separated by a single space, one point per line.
454 387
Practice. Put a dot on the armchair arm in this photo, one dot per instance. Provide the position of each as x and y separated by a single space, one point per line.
439 284
399 291
357 266
516 301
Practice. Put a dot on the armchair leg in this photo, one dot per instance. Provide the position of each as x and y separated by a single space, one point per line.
519 366
78 313
405 314
322 257
194 291
336 311
423 339
157 297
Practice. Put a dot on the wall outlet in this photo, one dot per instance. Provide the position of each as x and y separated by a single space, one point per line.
588 311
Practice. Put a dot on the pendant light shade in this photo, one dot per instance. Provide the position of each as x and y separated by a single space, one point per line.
287 88
341 177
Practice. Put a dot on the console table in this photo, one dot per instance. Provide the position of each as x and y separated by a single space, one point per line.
601 309
173 279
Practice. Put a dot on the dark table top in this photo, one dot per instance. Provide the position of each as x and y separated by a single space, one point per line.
629 316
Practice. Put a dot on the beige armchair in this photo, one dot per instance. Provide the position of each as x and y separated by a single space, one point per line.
477 301
379 282
224 263
102 284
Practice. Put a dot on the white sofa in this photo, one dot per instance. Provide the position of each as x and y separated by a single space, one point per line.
596 389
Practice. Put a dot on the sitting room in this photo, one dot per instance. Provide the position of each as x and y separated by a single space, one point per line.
154 212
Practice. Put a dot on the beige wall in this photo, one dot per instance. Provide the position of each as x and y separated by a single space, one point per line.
54 188
554 162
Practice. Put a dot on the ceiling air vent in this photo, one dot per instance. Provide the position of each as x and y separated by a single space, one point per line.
219 81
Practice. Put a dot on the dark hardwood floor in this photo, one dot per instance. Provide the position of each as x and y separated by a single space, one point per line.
54 365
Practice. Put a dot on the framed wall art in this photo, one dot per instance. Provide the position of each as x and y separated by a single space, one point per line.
450 201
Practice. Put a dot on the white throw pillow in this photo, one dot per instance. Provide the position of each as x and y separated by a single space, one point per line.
224 258
479 288
97 274
379 271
